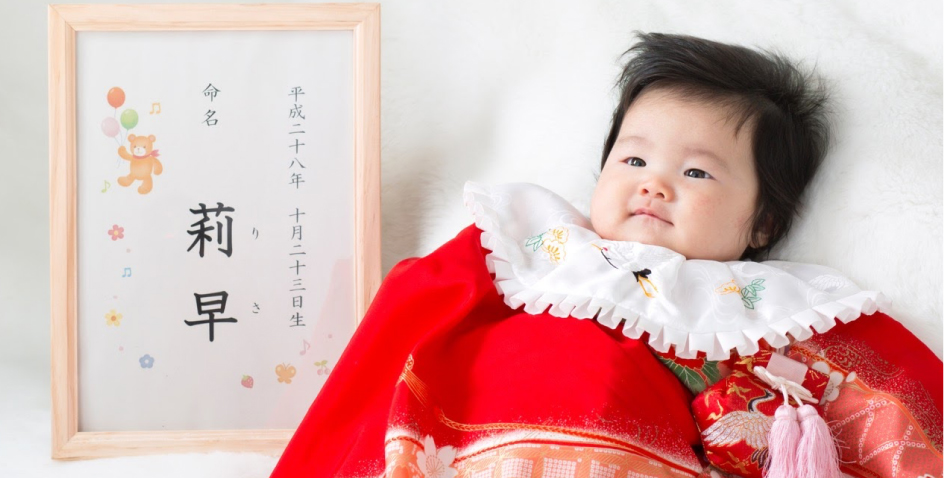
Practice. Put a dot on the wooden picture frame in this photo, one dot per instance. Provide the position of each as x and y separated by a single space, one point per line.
65 21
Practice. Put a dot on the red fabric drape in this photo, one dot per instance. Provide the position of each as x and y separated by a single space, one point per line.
485 363
439 356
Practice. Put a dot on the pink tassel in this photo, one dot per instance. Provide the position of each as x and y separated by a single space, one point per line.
782 443
816 455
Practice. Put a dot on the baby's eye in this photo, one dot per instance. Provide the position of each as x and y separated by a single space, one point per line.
697 173
636 162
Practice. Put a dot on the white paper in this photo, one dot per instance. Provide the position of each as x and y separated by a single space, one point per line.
244 161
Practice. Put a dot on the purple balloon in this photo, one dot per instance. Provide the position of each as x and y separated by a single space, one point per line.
110 127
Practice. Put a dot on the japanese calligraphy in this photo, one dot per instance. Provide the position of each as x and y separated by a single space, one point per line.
202 230
297 252
210 304
210 92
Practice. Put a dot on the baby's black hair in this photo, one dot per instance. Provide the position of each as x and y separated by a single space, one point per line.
785 108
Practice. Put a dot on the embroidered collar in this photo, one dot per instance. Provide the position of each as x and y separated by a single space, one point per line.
546 257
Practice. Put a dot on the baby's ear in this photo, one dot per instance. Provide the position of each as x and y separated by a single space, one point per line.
760 235
758 240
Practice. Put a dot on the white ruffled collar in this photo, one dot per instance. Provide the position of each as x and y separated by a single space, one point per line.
546 256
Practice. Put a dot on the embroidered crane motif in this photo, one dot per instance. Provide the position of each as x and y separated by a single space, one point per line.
640 275
643 276
603 252
751 427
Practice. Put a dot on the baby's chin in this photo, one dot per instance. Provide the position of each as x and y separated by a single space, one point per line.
640 237
652 239
661 237
689 253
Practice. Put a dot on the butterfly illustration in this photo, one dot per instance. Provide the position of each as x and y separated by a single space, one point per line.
285 372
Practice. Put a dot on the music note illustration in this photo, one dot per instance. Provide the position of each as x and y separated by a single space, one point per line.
307 346
107 185
155 106
127 272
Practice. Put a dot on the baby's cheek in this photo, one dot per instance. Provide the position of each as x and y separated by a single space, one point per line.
744 213
606 197
715 212
728 209
707 207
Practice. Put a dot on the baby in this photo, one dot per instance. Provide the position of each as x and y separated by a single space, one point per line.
710 150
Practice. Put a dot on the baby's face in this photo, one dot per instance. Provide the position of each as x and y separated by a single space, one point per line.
678 177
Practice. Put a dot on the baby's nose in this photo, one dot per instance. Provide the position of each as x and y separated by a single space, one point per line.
656 188
654 192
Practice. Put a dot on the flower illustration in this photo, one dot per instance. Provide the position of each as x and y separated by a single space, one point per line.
558 234
555 251
113 318
146 361
552 242
729 287
835 378
116 232
436 463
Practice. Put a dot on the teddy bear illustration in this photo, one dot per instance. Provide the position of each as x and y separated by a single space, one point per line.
143 158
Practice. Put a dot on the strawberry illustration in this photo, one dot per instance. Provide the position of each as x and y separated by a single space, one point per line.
247 381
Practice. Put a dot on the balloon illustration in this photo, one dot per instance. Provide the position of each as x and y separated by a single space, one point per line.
129 118
116 97
110 127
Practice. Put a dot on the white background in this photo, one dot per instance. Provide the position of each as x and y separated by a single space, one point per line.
497 91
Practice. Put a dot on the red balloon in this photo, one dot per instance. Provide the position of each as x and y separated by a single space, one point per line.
116 97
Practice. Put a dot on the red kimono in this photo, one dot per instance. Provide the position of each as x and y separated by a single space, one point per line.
443 379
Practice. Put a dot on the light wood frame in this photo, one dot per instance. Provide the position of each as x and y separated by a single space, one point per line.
64 21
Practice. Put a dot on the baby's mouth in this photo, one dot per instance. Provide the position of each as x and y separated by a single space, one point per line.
648 213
